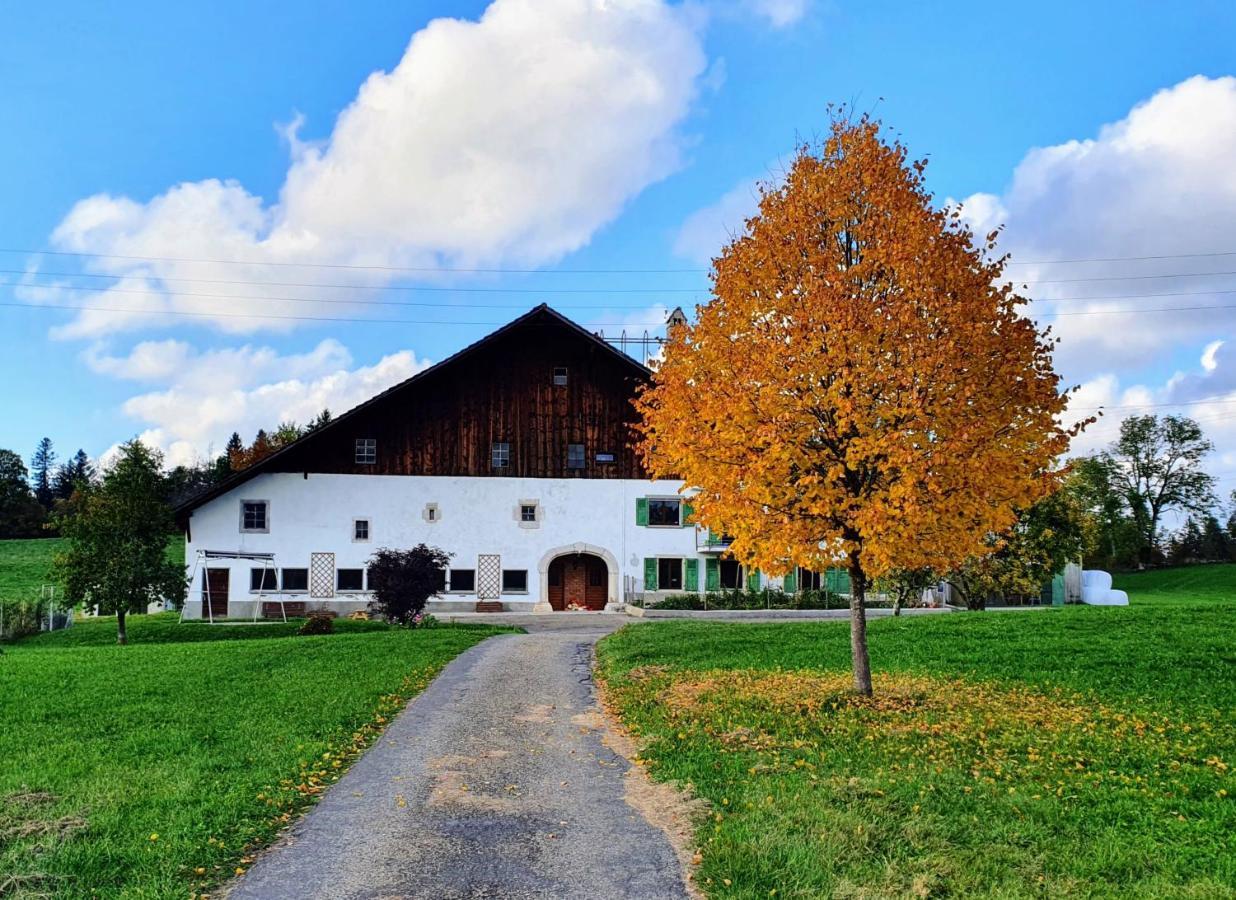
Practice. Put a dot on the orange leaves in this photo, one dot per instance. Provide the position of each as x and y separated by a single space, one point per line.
859 384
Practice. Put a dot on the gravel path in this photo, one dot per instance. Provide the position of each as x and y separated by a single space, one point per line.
493 783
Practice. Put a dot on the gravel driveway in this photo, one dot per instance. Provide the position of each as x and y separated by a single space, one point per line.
493 783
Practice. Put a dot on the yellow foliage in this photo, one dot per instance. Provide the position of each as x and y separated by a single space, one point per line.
861 389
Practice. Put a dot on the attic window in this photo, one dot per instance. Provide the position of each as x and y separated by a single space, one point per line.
366 451
560 376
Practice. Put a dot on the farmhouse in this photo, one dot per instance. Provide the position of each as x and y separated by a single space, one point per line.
514 455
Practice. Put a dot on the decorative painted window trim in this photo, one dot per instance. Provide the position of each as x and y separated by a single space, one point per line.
356 539
431 513
537 513
265 516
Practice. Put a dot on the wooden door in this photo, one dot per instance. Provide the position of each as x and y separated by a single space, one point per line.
214 593
596 586
557 596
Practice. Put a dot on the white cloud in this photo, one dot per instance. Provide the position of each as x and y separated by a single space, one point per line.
202 397
503 141
706 231
779 13
1158 182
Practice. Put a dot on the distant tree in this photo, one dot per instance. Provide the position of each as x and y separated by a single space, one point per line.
21 515
1214 545
186 481
403 580
42 469
286 433
320 420
864 385
1050 534
77 470
1185 546
1156 466
1231 519
907 585
117 539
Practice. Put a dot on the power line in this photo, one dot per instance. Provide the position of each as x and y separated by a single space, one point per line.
441 289
1057 262
215 315
1219 399
1122 277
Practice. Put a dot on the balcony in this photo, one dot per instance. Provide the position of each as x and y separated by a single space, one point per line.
707 542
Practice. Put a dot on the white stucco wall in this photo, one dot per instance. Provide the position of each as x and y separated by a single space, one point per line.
475 516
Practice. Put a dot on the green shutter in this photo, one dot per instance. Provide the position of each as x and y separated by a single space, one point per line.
789 584
691 580
687 511
837 581
753 580
650 572
712 574
641 510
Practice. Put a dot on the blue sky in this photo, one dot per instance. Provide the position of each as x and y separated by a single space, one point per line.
129 102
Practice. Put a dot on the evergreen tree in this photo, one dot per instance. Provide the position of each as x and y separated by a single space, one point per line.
320 420
42 468
77 470
20 513
1213 546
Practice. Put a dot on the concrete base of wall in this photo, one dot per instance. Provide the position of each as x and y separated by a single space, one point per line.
738 615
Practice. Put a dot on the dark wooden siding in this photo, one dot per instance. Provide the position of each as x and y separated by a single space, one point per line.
445 422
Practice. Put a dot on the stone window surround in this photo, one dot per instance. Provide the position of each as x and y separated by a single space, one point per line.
436 513
243 529
368 530
519 514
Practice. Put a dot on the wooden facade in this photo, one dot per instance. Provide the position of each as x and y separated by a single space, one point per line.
507 388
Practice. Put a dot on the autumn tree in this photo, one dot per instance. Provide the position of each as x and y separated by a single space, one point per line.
1156 464
863 388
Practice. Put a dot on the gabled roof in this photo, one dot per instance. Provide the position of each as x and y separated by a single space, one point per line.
541 313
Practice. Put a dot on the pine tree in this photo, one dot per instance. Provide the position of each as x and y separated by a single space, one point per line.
77 470
42 467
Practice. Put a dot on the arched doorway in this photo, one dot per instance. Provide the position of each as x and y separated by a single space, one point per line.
578 580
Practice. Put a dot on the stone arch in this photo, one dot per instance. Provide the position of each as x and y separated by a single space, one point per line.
611 567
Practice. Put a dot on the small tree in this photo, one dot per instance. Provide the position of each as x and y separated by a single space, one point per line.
20 513
907 584
864 386
403 580
117 532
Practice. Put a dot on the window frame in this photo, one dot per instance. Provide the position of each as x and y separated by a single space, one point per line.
450 583
529 514
339 588
561 376
368 448
806 580
676 501
605 458
582 458
258 574
740 580
514 590
265 516
356 538
661 561
283 580
495 454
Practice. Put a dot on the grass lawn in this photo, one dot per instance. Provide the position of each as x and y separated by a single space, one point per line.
25 565
154 770
1079 752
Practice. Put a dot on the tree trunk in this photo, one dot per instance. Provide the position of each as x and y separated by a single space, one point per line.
860 661
122 636
897 603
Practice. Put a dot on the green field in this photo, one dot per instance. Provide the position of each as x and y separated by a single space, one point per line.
156 769
25 565
1075 752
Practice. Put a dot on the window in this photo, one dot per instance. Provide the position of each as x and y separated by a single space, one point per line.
669 574
527 512
431 512
366 451
439 581
295 579
360 529
809 581
605 458
730 573
560 376
667 513
575 456
263 580
514 581
463 580
254 515
500 455
350 579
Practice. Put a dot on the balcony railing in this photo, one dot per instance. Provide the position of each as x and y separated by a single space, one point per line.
706 541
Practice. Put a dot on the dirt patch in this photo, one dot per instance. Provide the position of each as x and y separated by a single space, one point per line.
539 713
455 784
670 809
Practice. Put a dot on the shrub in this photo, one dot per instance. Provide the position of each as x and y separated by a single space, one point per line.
403 580
768 598
318 622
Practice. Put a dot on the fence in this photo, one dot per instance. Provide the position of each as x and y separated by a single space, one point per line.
42 612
